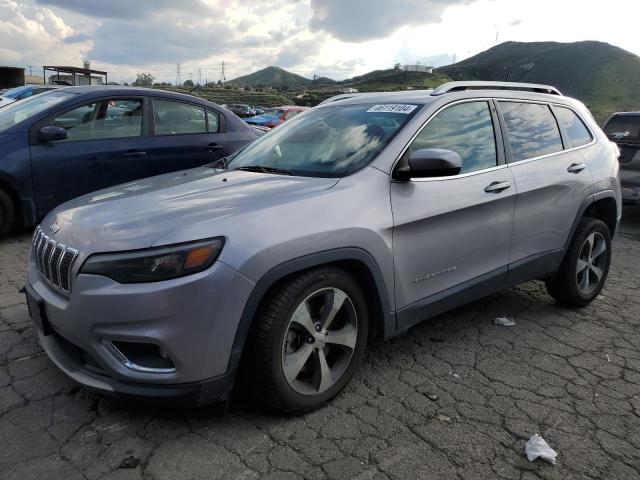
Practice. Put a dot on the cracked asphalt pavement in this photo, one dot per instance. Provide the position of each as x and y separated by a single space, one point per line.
454 398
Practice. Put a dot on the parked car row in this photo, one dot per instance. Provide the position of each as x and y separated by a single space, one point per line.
272 117
73 140
351 222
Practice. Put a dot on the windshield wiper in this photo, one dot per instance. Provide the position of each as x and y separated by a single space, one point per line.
263 169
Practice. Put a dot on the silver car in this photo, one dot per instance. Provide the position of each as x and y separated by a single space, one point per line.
350 223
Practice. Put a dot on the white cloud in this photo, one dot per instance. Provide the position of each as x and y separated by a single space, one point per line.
34 35
336 38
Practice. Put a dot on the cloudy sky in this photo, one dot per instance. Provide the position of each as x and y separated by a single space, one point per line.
336 38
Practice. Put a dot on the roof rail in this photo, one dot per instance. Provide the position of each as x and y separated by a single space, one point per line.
480 85
345 96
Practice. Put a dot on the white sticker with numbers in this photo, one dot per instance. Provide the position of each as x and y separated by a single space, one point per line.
393 108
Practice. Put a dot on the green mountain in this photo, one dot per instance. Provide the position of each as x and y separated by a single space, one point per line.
394 79
274 77
605 77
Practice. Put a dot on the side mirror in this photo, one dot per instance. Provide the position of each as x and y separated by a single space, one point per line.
429 162
52 133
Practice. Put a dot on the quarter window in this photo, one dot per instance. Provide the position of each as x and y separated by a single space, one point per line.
532 130
175 118
213 120
467 129
577 133
103 120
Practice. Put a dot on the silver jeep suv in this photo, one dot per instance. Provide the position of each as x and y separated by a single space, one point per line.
352 222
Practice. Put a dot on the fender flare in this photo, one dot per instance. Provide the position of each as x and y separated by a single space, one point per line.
590 200
278 272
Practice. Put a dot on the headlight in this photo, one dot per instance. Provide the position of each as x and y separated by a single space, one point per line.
155 264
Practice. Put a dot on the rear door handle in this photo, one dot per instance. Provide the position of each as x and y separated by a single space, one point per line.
495 187
576 167
134 154
215 146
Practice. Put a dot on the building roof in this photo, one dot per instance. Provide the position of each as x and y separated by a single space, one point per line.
74 70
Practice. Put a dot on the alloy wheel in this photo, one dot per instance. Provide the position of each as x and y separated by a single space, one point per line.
319 342
591 263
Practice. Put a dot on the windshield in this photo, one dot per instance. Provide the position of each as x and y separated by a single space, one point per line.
624 127
20 111
330 141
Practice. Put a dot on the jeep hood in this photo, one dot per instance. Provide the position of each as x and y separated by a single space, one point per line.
137 214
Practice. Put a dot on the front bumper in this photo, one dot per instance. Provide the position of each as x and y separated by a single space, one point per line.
193 319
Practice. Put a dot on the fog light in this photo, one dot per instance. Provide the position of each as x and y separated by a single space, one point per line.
143 357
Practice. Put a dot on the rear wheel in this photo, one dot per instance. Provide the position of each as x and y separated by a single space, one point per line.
585 267
310 337
7 213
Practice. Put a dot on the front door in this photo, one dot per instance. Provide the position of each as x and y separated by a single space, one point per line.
185 135
105 147
453 234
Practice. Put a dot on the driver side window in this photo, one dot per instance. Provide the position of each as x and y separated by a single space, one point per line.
103 120
465 128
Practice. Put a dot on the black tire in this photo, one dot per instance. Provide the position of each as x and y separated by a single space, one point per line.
272 328
565 285
7 214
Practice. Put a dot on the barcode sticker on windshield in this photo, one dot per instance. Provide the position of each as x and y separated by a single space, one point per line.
392 108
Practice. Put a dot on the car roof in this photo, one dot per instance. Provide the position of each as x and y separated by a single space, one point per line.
457 90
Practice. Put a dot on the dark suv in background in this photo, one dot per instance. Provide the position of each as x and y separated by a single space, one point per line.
71 141
624 129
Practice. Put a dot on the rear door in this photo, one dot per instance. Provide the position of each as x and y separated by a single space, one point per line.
105 147
185 135
552 179
452 234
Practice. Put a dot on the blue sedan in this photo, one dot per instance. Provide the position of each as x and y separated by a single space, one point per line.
74 140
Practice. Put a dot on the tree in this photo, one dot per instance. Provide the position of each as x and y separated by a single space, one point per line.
188 83
144 80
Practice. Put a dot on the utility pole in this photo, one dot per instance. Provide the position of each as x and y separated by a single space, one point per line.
199 76
178 76
223 78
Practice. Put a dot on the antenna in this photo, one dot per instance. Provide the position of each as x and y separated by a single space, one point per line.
178 76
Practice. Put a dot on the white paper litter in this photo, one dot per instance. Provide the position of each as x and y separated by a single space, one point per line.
504 322
537 447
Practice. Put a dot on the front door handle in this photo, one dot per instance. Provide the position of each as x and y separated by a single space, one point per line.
576 167
495 187
134 154
215 146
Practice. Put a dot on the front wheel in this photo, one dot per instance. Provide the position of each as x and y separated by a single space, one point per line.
310 337
585 267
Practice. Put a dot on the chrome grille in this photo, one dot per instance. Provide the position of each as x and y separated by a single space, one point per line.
54 260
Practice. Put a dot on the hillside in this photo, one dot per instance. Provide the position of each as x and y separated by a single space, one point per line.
605 77
275 77
392 79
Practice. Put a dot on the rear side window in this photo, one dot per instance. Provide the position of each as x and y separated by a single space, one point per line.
532 130
467 129
623 127
577 133
176 118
